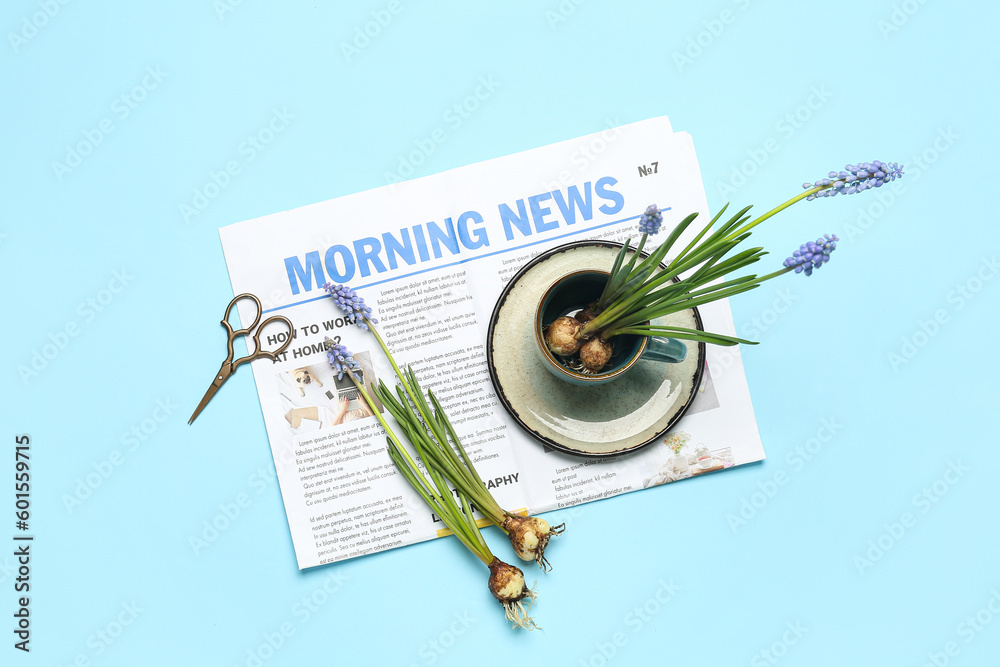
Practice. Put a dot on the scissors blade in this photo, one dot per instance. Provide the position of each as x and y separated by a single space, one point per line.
220 378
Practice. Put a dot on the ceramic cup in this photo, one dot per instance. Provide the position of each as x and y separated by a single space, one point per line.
566 296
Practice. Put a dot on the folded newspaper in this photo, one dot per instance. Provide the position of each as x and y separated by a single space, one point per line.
432 256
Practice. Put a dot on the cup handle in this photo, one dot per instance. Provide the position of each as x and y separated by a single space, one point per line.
667 350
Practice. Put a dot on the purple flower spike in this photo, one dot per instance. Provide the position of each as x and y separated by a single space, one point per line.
812 255
340 358
650 221
352 305
856 178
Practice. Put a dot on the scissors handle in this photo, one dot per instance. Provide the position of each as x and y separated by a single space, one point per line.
258 352
239 332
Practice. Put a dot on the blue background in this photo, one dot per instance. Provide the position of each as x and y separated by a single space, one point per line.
899 81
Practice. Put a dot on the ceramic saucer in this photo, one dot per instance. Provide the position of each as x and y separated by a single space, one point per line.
606 420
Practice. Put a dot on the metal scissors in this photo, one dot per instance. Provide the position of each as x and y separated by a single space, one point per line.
229 366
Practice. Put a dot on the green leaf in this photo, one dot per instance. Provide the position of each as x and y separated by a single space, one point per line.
689 334
680 229
614 278
692 244
627 270
455 438
672 306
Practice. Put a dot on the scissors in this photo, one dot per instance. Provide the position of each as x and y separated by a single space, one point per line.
229 366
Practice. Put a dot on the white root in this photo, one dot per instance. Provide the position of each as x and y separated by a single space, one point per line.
517 613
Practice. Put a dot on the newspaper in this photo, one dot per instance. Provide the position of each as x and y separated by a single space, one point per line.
431 256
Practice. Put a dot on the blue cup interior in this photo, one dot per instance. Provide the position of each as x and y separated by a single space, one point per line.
572 294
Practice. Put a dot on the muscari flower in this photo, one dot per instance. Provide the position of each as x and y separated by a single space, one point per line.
340 358
650 221
352 304
856 178
812 255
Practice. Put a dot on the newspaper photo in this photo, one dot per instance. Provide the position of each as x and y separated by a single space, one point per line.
432 256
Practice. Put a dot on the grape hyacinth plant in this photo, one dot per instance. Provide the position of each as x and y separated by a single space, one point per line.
651 220
356 312
506 582
856 178
811 255
636 293
430 432
340 358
